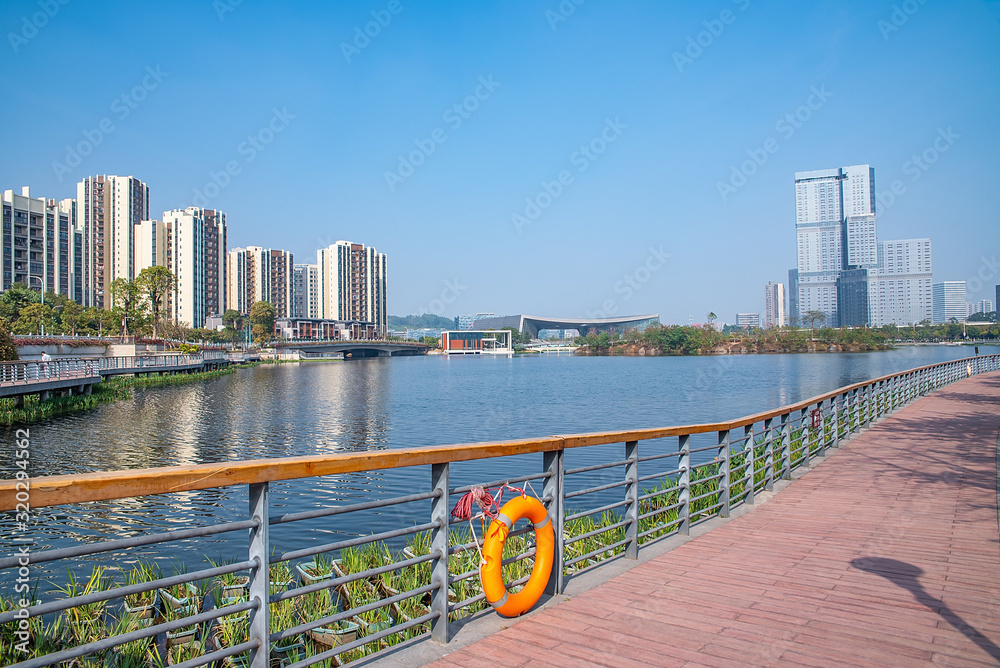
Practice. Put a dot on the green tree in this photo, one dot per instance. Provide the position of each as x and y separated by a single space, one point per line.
16 298
234 324
33 319
154 284
8 349
262 322
812 317
127 300
72 314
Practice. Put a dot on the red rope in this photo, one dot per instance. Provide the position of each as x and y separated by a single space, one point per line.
488 504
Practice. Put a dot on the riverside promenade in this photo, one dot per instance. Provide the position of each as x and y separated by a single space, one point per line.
886 553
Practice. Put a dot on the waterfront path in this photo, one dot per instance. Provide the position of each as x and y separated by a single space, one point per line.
885 554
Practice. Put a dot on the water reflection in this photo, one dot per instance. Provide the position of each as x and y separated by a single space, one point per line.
318 408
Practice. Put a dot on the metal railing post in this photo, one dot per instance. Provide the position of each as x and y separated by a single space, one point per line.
866 405
835 410
632 496
724 461
439 548
769 454
260 627
554 464
748 462
821 450
804 415
684 484
786 448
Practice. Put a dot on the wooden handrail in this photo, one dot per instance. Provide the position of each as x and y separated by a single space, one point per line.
103 486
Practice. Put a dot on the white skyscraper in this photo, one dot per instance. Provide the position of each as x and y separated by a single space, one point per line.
899 288
774 305
108 209
261 274
40 246
949 302
352 284
196 255
982 306
305 300
820 230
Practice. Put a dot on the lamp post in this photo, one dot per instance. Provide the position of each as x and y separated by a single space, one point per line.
41 291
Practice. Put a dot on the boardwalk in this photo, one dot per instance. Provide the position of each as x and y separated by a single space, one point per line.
886 554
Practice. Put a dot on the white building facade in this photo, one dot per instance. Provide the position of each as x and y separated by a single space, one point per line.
774 305
900 288
352 284
108 209
305 300
261 274
949 302
196 255
40 246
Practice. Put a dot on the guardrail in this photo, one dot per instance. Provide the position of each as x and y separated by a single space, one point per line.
34 371
682 475
25 373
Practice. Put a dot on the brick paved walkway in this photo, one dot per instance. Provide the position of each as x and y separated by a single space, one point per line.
886 554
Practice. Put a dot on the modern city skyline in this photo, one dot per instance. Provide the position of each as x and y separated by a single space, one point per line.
331 127
844 271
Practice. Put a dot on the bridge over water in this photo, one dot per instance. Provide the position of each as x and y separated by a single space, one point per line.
354 349
858 527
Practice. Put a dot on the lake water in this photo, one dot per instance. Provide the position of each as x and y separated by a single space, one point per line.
319 408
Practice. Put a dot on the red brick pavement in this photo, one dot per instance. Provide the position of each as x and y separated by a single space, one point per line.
886 554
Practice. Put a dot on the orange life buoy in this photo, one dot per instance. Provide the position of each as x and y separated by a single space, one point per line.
507 604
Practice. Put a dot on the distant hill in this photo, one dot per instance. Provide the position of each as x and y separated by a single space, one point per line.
425 321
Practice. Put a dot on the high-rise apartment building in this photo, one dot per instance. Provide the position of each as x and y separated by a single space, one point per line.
774 305
108 208
949 302
305 297
261 274
843 271
820 201
40 246
196 255
352 280
899 288
982 306
150 244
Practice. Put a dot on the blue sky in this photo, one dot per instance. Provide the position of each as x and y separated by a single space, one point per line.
580 172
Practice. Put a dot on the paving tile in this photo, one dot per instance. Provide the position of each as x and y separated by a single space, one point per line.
870 559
